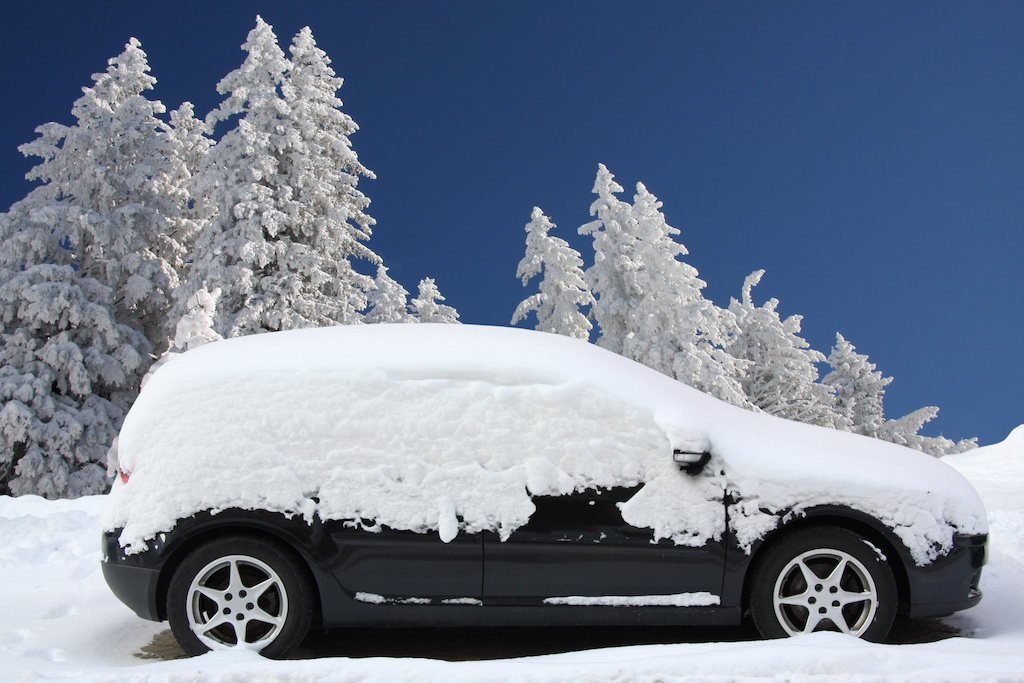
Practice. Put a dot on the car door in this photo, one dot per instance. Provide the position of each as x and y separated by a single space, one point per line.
404 566
578 546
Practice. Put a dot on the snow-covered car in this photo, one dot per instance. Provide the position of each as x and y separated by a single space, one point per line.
461 475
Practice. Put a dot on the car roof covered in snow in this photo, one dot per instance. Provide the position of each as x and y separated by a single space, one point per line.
460 409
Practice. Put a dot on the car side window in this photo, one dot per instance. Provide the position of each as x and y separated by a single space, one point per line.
590 511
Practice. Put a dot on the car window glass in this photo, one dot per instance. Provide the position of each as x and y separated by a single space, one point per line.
589 510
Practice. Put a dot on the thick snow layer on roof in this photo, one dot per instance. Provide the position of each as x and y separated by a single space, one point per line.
441 428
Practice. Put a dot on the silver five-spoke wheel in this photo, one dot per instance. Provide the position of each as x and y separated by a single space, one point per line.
825 589
822 579
236 600
240 591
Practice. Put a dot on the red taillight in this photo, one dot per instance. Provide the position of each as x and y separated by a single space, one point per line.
124 476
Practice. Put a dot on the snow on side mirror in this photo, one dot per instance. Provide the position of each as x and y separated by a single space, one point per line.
691 462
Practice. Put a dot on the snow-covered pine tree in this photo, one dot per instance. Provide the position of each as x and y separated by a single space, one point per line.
191 138
282 185
111 196
426 307
389 301
649 304
68 373
904 431
196 327
781 377
562 288
191 142
614 258
860 390
86 263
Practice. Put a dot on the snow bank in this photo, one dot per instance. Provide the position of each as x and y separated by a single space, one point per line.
1006 456
442 428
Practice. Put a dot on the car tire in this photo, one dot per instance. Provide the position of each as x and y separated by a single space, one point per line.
823 578
240 591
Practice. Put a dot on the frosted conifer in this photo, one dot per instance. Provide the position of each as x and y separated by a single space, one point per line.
781 378
110 201
191 143
389 301
860 390
196 327
904 431
426 307
282 188
87 260
649 304
562 289
68 372
614 258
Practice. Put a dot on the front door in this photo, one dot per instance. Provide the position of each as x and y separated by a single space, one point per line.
576 549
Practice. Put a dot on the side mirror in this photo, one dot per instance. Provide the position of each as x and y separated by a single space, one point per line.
691 462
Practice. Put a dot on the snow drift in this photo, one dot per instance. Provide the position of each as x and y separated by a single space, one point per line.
442 428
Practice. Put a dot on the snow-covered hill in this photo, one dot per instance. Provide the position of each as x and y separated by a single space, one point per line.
59 621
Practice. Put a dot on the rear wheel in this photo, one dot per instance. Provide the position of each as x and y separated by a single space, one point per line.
240 591
823 579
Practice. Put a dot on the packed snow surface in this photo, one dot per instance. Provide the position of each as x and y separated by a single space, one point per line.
442 428
61 622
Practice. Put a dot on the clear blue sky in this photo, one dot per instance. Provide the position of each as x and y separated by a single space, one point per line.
868 155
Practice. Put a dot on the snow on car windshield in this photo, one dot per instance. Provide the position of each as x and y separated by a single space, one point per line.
442 428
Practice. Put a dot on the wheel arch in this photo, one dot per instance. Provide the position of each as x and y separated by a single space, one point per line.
206 527
859 523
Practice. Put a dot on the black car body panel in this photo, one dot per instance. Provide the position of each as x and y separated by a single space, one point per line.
398 578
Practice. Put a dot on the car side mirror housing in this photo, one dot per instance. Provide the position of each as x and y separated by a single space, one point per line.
691 462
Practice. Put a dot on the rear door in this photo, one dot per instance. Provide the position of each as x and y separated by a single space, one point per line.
404 566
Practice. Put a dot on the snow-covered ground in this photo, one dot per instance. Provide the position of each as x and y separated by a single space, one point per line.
58 620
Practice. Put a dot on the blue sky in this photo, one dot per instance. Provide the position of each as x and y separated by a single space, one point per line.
869 155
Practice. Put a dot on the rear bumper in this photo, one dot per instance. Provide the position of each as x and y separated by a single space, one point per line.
129 579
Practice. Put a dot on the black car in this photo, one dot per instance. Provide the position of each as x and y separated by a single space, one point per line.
243 532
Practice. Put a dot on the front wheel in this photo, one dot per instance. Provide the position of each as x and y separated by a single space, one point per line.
240 591
823 579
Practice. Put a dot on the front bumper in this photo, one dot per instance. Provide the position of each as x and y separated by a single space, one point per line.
950 583
131 578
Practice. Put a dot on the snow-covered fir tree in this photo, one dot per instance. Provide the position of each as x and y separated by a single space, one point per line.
562 288
904 431
859 405
281 184
68 373
782 376
649 304
191 142
858 388
192 139
426 307
87 261
608 278
389 301
196 327
111 196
